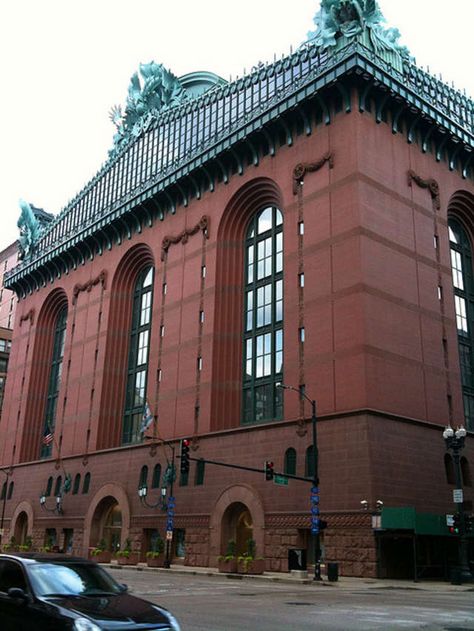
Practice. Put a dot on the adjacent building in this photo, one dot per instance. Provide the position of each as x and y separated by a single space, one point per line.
310 225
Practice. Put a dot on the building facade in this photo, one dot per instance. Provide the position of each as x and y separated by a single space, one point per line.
8 300
309 225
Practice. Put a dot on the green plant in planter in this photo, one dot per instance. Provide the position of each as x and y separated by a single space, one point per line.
157 549
230 551
127 549
27 545
100 547
11 545
250 554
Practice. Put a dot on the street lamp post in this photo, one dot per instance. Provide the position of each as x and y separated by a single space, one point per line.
455 440
3 505
164 504
315 529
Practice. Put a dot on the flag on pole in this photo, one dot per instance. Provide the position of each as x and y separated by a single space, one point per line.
48 437
147 418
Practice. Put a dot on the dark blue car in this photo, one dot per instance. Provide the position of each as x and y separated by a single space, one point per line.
52 592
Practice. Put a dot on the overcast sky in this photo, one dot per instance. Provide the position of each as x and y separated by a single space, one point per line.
64 63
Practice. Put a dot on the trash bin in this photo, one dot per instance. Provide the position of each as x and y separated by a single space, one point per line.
333 572
297 559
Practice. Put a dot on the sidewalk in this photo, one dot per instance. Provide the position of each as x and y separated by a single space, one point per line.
344 582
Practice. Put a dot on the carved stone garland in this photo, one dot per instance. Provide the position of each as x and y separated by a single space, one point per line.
302 168
431 184
101 278
202 225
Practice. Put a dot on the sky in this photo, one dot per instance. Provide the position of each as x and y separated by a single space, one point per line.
65 63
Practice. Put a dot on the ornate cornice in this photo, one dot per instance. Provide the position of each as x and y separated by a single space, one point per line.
430 184
101 278
183 237
28 316
302 168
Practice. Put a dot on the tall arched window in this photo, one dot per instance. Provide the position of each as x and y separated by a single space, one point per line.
290 461
263 318
143 480
138 357
77 484
86 484
49 486
461 265
54 383
155 481
58 486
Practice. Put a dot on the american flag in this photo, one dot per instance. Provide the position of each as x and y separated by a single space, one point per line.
48 438
147 418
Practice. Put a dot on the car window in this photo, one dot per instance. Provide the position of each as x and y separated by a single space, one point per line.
70 579
11 575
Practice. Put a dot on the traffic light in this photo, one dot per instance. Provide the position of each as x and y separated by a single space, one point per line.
184 467
469 523
269 470
454 529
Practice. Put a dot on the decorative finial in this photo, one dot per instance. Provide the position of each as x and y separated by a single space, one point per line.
351 18
155 89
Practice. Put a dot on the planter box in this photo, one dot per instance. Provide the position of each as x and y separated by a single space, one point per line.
228 567
257 566
156 562
103 557
131 560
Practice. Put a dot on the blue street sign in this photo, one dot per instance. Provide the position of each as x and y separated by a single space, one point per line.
314 499
314 510
315 522
315 489
169 524
314 531
172 499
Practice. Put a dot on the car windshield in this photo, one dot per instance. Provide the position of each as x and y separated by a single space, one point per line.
71 579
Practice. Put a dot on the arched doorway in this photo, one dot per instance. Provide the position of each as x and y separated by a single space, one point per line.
21 528
107 524
237 524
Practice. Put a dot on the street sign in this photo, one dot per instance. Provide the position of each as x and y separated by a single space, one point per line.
281 480
449 520
169 535
458 497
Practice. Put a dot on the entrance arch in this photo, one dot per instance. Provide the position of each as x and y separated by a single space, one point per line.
21 528
108 517
21 525
238 514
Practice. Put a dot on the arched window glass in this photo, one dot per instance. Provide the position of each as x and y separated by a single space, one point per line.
4 491
87 483
263 318
309 465
290 461
57 488
135 396
54 383
77 484
155 481
449 468
49 486
461 266
143 480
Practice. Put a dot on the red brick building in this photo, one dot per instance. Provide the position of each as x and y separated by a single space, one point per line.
289 227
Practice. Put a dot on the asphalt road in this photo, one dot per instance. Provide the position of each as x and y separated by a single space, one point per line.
216 603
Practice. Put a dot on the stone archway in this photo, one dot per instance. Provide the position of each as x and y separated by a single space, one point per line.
108 517
21 528
21 525
238 514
